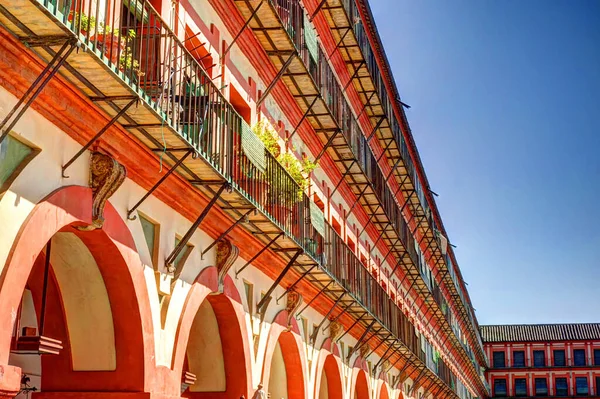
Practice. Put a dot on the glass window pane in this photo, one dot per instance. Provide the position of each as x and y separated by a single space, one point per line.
559 358
581 385
500 387
562 389
499 359
541 387
520 387
519 359
539 359
579 357
596 357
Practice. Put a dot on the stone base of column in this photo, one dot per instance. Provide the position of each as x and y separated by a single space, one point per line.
10 381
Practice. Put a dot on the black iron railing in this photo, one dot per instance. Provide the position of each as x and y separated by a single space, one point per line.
130 37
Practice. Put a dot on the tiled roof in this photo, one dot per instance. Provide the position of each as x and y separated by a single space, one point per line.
540 332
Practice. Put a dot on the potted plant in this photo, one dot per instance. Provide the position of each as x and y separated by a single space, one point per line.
282 197
117 48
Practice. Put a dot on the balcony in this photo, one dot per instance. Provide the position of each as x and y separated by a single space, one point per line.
282 28
134 58
361 62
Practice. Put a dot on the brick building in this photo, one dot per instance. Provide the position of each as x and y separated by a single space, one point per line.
543 360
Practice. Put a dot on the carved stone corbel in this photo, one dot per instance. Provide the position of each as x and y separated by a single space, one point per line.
106 176
335 331
294 300
227 254
364 350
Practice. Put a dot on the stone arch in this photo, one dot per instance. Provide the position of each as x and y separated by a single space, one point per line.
360 385
328 382
119 272
284 363
384 391
213 324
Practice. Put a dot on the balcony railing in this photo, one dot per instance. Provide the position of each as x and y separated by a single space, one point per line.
370 58
338 106
140 50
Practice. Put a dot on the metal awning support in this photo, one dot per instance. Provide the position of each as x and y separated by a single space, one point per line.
346 173
258 254
369 221
287 268
315 297
367 104
354 74
384 357
383 341
291 287
276 79
179 247
303 117
379 238
416 381
224 234
329 142
379 122
36 87
237 36
336 318
353 324
357 200
158 183
313 337
339 43
360 340
97 136
314 14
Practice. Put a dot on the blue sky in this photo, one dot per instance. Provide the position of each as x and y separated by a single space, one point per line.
505 100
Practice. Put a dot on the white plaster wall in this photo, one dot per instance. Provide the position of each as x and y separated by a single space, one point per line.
43 175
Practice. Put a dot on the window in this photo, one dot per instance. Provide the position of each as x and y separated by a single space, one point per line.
249 290
520 387
151 231
499 360
596 357
519 359
541 387
538 359
579 357
598 386
500 387
559 358
181 257
581 386
14 156
562 389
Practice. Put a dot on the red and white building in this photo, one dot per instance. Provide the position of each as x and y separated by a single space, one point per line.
543 360
165 234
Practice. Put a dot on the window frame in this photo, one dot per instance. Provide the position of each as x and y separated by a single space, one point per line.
564 358
503 353
525 385
545 387
556 386
24 162
537 352
576 351
587 386
514 358
496 380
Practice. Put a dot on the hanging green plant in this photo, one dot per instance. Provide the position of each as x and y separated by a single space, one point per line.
298 170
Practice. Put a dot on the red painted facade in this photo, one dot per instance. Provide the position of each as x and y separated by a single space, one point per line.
549 368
